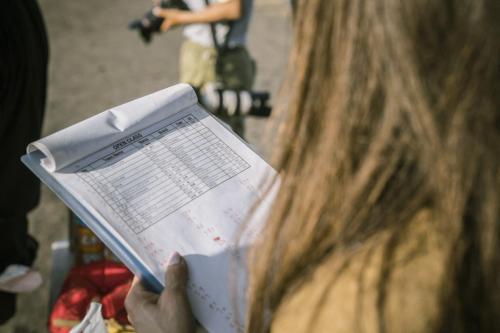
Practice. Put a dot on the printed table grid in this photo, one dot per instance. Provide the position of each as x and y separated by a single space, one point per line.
151 178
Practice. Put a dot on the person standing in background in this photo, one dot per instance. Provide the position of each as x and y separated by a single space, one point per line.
23 81
214 50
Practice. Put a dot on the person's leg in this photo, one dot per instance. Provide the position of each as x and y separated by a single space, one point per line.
16 247
22 103
8 306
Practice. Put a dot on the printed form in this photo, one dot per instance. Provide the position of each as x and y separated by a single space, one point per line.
183 183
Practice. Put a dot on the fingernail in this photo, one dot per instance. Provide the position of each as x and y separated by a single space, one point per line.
174 259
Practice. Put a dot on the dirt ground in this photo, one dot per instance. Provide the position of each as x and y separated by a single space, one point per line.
96 63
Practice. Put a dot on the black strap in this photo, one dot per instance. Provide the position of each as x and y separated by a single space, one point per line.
225 44
238 104
221 101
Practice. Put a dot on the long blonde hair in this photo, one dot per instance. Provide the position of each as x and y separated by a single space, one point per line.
393 107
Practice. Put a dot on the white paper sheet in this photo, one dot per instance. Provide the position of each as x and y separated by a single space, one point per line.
84 138
183 183
93 322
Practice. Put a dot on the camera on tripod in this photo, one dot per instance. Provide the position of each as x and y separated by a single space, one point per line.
150 23
235 102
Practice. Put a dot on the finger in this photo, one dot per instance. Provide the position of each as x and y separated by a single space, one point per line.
139 302
177 274
139 298
166 25
174 296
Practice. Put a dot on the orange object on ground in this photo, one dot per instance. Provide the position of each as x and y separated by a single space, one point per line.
105 281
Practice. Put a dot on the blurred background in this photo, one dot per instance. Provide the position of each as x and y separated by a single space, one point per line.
97 63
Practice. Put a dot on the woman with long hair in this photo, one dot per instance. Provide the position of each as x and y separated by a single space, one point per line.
388 214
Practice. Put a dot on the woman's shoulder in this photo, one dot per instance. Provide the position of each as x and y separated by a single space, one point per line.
388 283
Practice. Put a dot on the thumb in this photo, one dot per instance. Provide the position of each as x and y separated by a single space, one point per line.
166 25
177 274
174 299
139 302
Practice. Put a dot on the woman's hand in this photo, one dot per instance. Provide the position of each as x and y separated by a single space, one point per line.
168 312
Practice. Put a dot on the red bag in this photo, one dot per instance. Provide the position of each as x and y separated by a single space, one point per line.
104 281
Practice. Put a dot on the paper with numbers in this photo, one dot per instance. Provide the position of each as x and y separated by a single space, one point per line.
157 175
